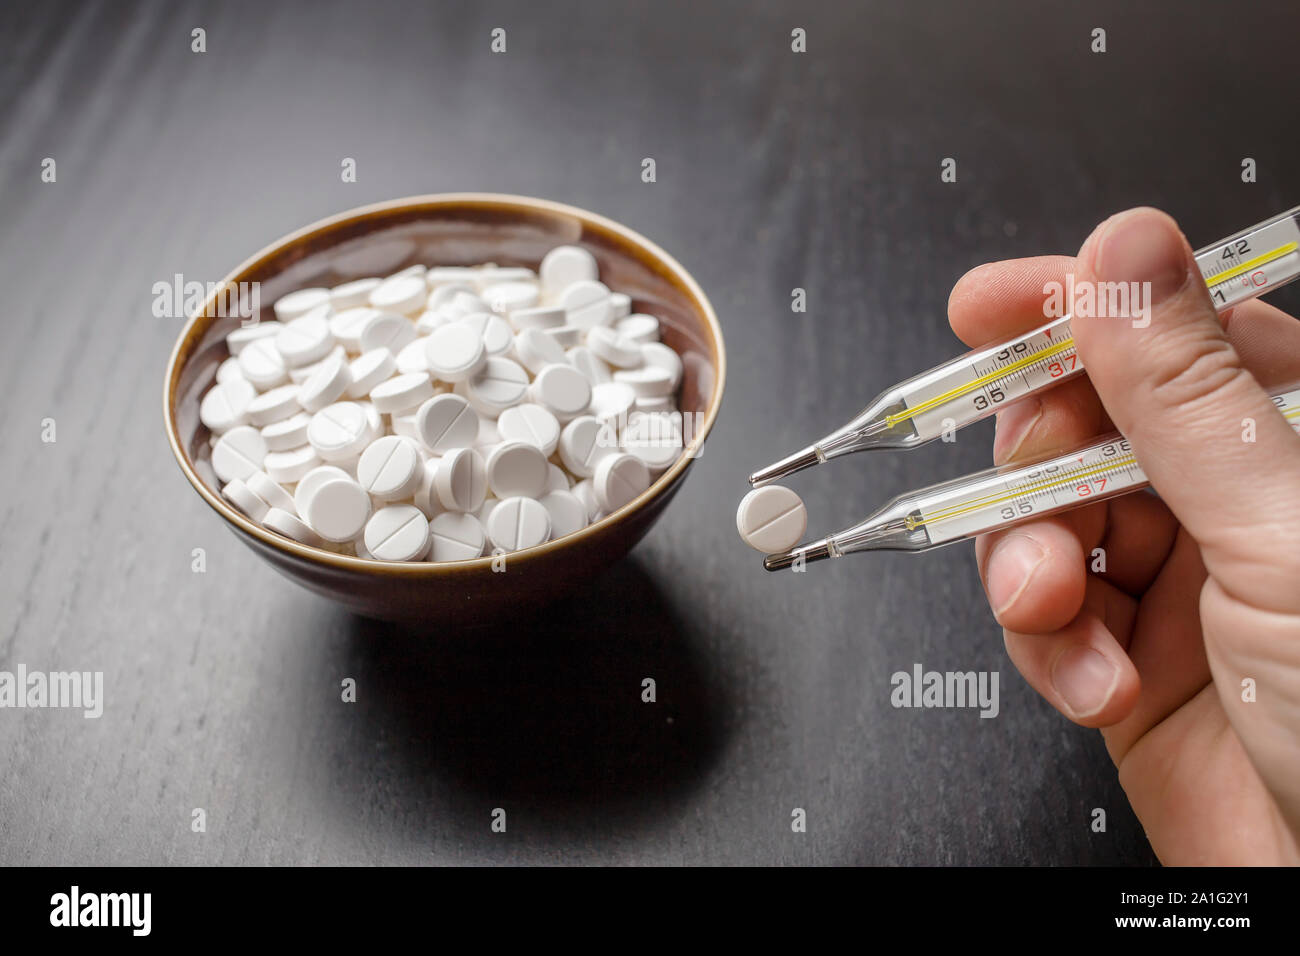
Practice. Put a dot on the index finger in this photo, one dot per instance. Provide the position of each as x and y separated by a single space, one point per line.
1000 299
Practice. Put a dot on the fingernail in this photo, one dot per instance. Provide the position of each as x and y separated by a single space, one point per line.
1014 425
1011 566
1143 246
1085 680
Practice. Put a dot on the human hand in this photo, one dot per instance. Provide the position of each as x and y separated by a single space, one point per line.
1201 588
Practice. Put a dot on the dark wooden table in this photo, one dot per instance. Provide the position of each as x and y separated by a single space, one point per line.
775 170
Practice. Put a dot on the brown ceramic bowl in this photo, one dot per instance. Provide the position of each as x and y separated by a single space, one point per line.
453 229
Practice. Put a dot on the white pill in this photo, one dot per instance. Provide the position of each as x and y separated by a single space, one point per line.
584 442
295 304
504 297
455 352
299 375
387 330
466 303
305 340
286 434
412 357
518 523
242 337
613 347
445 422
655 439
327 384
397 533
226 405
270 491
535 350
262 363
501 384
403 424
538 317
228 369
239 495
640 328
287 467
649 381
291 526
347 326
309 482
455 537
497 336
485 511
274 406
620 305
566 336
352 294
771 519
515 468
402 392
428 321
664 404
238 453
586 493
568 513
426 496
461 480
556 479
489 436
587 303
618 479
565 265
339 432
531 424
595 368
338 510
368 370
405 294
444 294
390 468
612 402
563 390
418 269
450 275
488 276
658 355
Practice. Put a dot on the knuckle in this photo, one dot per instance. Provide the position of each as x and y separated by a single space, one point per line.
1196 370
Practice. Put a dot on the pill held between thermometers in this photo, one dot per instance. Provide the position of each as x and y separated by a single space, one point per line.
771 519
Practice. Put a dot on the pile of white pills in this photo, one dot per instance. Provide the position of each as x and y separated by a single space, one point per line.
444 413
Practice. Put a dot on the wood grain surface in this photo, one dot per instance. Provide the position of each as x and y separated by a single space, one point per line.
775 170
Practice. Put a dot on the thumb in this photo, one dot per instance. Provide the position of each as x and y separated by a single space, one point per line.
1174 385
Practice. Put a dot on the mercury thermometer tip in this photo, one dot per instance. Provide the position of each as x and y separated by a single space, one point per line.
817 551
787 466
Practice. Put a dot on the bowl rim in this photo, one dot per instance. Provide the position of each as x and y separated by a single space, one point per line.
434 568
